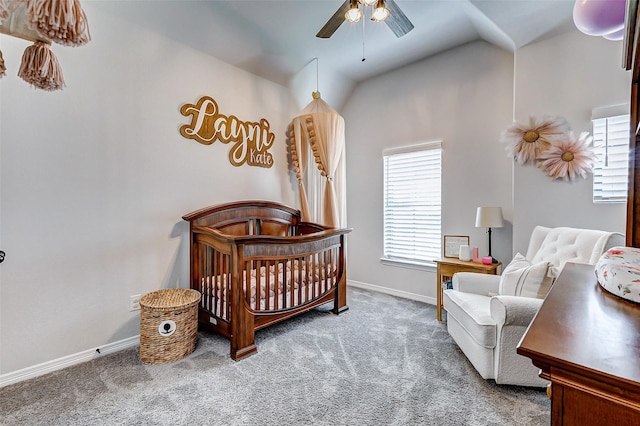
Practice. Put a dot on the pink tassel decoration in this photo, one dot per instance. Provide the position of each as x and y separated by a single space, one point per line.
40 67
3 69
4 11
61 21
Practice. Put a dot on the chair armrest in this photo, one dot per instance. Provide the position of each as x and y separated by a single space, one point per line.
473 282
514 310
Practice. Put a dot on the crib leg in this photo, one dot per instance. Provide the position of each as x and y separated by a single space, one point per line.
238 353
242 335
242 340
340 301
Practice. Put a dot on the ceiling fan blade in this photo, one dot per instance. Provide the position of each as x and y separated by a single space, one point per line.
334 22
397 20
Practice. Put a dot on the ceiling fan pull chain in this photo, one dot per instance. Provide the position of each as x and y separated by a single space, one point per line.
363 58
317 73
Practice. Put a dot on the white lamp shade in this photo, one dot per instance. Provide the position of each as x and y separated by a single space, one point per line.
489 217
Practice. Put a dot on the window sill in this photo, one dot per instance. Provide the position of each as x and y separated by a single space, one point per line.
409 264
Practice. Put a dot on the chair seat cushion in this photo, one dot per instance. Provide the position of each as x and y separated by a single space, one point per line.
473 312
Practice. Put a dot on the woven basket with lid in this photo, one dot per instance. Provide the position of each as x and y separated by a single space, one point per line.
168 325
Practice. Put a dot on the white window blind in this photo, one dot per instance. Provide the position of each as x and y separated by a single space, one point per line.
412 186
611 167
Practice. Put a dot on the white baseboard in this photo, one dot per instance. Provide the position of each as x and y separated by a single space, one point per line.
67 361
393 292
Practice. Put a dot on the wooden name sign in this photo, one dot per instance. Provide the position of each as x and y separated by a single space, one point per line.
251 141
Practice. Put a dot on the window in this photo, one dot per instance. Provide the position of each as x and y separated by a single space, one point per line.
611 167
412 177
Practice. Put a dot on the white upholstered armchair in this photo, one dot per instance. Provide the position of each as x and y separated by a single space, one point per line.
487 315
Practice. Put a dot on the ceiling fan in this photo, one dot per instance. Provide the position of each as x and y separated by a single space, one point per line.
382 10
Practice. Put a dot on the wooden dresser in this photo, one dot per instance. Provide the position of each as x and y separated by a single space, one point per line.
586 341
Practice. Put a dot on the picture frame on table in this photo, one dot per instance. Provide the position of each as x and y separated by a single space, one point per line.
451 244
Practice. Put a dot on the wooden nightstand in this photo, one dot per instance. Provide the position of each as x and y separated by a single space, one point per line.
448 267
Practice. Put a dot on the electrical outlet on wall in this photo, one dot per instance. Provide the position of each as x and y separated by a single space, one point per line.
134 302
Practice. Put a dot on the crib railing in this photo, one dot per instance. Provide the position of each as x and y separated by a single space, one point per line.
286 282
272 274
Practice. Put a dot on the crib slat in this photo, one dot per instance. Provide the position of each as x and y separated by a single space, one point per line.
212 285
301 279
216 282
227 267
288 286
283 283
314 267
255 266
327 269
310 279
221 285
267 302
276 286
321 261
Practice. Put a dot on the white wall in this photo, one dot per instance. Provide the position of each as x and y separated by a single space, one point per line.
95 179
566 76
464 98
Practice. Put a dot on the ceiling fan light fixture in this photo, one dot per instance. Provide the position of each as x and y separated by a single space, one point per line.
356 10
380 13
353 15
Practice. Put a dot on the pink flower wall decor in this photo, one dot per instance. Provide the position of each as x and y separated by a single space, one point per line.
568 157
526 142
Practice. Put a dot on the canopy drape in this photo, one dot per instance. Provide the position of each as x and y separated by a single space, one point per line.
300 160
322 128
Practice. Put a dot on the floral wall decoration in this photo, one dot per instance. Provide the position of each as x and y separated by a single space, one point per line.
569 157
526 142
549 143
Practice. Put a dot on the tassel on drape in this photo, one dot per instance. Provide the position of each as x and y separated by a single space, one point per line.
40 67
61 21
299 166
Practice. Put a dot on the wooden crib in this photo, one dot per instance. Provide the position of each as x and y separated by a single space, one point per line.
256 263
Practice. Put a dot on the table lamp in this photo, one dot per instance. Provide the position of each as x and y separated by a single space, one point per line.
489 217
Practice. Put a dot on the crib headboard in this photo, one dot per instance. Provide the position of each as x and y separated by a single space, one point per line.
248 218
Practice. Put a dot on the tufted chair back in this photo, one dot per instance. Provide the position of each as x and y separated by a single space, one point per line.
563 244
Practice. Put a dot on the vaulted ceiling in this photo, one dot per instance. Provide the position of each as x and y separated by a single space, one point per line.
275 39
